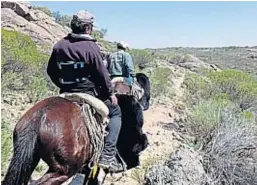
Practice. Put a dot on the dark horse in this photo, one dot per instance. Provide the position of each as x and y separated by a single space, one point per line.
53 130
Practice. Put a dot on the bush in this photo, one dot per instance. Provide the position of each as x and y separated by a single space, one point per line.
21 62
223 120
63 20
6 145
44 9
142 58
139 174
231 156
241 87
204 118
160 81
12 81
198 88
38 89
20 48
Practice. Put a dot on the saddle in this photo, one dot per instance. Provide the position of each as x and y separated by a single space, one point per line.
95 103
95 129
120 87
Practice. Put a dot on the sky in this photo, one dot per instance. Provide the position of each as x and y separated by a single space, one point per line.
170 24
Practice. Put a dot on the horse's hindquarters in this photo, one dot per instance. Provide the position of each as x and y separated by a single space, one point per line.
64 136
61 137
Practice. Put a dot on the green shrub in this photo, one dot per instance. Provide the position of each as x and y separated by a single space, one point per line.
247 115
23 65
223 119
160 81
39 168
12 81
63 20
20 48
38 89
205 117
198 88
141 58
44 9
6 145
241 87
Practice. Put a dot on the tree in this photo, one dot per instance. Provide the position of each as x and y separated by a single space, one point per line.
63 20
104 31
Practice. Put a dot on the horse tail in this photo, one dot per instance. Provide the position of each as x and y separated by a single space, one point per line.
25 150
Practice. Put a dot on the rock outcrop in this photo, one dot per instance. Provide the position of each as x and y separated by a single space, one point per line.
19 16
195 64
183 167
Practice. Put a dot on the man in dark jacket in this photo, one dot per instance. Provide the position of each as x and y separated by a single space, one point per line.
76 65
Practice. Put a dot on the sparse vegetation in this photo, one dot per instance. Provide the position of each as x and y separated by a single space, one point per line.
142 58
6 145
39 168
44 9
160 81
138 174
231 155
22 66
223 118
63 20
21 73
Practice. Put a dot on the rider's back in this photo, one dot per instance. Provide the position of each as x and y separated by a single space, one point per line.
120 63
73 64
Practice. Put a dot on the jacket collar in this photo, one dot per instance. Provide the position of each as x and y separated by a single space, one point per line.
81 37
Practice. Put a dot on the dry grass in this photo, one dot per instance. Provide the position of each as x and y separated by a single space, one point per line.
231 156
138 174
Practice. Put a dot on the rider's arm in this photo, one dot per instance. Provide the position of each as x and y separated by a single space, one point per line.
101 74
130 65
52 70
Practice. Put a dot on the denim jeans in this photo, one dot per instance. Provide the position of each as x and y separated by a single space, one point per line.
128 81
113 129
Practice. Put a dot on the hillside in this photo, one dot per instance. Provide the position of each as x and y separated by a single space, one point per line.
241 58
202 123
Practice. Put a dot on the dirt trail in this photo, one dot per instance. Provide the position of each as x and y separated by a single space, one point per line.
162 141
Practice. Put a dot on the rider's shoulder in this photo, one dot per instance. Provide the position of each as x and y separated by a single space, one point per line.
58 43
126 54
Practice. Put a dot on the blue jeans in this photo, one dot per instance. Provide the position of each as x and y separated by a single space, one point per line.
128 81
113 128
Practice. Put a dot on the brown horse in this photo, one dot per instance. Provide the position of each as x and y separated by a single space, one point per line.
53 130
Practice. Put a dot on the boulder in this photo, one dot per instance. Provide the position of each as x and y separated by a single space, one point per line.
184 166
19 16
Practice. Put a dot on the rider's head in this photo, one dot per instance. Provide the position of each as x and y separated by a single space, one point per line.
122 45
82 22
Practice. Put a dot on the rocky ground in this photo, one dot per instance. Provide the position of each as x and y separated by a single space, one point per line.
20 16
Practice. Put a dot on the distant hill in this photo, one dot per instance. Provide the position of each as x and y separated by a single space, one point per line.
241 58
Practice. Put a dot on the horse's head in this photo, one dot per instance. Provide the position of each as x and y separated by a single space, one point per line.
144 81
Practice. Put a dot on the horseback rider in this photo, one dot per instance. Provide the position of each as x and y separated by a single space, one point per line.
120 64
76 65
